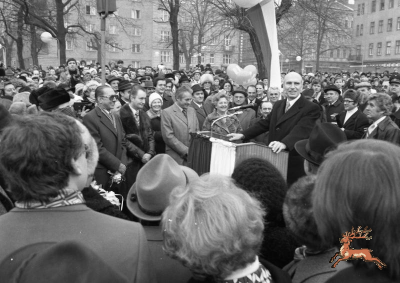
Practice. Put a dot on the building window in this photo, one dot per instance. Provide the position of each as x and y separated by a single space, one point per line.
164 36
68 45
373 6
372 28
346 23
371 49
338 53
89 28
135 48
380 27
227 40
358 30
379 49
89 46
344 53
358 50
112 29
165 56
135 14
137 32
214 40
398 23
362 9
391 4
164 16
397 50
136 64
227 23
212 58
361 30
389 24
226 59
181 59
90 10
358 9
114 47
388 47
382 6
331 54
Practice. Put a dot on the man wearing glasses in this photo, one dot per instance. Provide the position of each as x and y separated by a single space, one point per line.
352 121
107 130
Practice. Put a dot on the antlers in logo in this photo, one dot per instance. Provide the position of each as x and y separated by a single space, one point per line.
353 233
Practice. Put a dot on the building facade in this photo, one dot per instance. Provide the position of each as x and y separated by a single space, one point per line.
377 35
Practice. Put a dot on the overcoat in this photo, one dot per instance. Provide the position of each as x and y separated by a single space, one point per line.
355 126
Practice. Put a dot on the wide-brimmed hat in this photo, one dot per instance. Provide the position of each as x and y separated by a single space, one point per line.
332 87
149 195
113 78
323 137
123 85
197 88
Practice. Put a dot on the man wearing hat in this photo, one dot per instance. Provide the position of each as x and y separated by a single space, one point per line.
197 104
124 89
148 198
196 77
248 116
352 121
333 105
323 138
56 100
46 177
113 81
137 127
291 120
159 84
394 83
149 87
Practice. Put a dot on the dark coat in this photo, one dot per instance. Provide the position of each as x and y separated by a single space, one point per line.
387 130
110 143
247 118
355 126
321 99
256 104
262 138
290 127
335 108
200 112
362 275
232 124
167 102
155 122
396 117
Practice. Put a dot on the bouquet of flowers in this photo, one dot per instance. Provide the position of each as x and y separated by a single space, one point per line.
115 199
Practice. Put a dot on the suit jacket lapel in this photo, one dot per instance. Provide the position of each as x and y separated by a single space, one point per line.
179 114
106 121
291 112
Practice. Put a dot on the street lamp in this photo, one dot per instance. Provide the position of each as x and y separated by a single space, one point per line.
299 59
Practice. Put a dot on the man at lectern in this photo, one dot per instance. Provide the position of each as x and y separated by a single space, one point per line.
291 120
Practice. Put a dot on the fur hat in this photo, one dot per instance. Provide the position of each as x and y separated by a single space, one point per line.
153 97
53 98
32 110
18 108
206 78
5 117
71 60
124 85
34 96
22 97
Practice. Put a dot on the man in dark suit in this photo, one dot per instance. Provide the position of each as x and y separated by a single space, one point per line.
333 105
159 84
124 89
291 120
107 130
352 121
177 122
252 98
377 111
197 104
248 116
138 131
318 91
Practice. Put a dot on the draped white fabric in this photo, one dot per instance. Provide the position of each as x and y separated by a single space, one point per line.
223 155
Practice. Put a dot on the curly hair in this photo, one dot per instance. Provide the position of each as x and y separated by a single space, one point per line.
38 169
218 96
212 226
383 101
264 181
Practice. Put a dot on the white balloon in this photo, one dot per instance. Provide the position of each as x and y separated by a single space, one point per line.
46 37
298 58
246 3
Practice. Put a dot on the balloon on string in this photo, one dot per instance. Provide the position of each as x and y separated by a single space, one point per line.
249 82
233 70
246 3
252 69
46 37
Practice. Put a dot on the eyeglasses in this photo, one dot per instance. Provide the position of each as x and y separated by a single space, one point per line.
348 101
112 98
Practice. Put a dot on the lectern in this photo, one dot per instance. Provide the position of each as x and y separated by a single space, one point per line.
218 155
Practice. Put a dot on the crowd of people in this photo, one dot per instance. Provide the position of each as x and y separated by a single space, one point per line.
97 175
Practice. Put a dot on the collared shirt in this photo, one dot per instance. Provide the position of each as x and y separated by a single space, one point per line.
333 103
291 102
375 124
200 105
317 96
349 114
252 101
133 110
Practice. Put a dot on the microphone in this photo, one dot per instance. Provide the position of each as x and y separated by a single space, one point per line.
241 107
227 115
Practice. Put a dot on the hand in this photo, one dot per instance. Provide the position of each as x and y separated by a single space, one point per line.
84 111
277 146
146 158
235 137
122 169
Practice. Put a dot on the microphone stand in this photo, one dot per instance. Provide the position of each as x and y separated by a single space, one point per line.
222 117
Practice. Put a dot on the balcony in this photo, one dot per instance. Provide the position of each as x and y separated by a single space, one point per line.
229 48
355 58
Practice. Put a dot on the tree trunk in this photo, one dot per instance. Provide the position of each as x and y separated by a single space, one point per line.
9 47
34 48
255 44
20 40
62 31
173 20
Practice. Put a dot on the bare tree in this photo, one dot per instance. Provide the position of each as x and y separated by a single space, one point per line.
240 21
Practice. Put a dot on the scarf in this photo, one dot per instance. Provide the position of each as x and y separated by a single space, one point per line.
153 114
65 197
